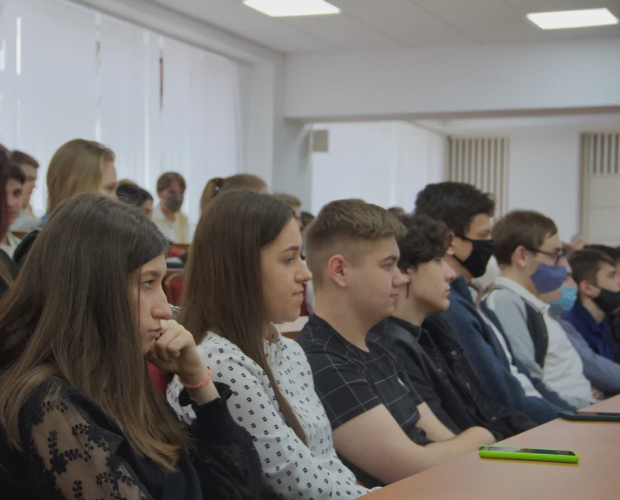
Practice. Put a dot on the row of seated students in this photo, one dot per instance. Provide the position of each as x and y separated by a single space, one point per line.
397 371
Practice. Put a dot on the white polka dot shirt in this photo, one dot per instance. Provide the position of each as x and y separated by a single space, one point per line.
291 469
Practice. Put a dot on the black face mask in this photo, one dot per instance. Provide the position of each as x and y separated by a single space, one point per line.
480 255
608 301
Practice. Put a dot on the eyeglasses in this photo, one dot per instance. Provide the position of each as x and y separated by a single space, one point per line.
556 256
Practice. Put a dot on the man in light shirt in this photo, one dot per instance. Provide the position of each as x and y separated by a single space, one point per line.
528 250
167 216
26 220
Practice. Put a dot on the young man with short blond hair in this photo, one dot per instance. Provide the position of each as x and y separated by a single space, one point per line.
382 428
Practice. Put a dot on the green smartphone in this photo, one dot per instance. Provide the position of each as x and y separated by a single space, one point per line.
508 453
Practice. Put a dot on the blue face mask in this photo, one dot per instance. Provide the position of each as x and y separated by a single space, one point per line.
548 278
566 301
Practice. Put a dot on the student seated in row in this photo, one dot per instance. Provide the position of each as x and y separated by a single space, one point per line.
134 195
603 373
382 427
426 345
26 221
467 212
78 415
14 194
528 250
168 215
78 166
613 318
294 203
598 297
8 269
245 274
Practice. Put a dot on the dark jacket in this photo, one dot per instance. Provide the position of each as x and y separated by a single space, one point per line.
442 374
22 250
7 262
487 357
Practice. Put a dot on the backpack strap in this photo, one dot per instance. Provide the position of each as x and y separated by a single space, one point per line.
536 327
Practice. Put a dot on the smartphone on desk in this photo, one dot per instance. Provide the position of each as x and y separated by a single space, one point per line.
590 416
536 454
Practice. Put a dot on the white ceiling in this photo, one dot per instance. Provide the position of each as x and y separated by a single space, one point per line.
395 24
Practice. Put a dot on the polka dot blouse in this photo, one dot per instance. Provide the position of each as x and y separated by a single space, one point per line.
291 469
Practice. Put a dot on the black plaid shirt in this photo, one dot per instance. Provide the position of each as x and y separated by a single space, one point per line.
350 382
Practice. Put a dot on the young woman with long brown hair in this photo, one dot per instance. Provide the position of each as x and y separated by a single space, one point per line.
78 416
244 274
78 166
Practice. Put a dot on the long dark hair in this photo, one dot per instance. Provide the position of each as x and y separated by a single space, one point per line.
223 288
69 315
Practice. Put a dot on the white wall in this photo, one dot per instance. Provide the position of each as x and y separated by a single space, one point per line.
272 147
385 163
101 80
269 143
544 175
397 84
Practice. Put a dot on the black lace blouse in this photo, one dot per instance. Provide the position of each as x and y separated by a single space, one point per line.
73 450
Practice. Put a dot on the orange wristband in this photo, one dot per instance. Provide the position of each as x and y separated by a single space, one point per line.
198 386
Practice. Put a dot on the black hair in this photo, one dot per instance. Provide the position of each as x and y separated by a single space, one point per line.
133 195
586 263
455 204
426 240
611 252
16 173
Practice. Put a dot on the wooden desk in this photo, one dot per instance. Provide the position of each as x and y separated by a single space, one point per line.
597 476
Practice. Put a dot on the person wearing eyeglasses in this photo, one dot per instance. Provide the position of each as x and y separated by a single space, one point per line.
528 250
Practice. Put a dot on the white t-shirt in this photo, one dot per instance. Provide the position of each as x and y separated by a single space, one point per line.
290 468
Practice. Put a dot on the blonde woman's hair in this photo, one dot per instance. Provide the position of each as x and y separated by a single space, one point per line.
76 168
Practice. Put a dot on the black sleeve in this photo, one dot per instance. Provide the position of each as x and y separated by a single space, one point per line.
22 250
75 457
223 453
413 365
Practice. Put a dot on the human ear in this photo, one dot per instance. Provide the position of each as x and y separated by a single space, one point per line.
337 267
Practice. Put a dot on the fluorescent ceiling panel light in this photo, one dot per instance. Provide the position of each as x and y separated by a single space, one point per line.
573 19
289 8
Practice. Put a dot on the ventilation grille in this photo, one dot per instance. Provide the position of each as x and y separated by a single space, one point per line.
601 153
483 162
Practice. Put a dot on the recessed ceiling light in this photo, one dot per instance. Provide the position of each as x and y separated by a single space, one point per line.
287 8
573 19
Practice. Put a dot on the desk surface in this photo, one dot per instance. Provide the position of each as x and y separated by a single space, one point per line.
597 476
